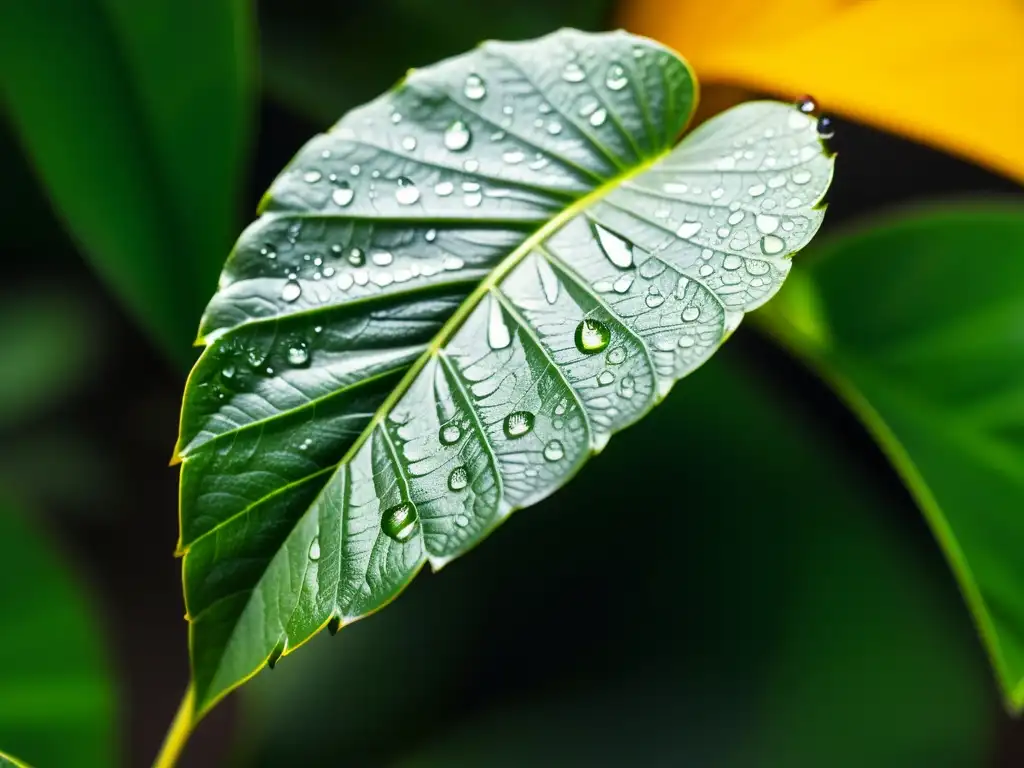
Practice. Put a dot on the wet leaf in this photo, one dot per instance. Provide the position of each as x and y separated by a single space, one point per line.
56 696
916 323
450 302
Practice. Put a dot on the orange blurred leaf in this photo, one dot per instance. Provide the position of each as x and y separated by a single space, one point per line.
946 73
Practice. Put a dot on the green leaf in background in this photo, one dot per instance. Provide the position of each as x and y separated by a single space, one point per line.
777 615
451 301
305 67
6 761
50 343
57 702
137 117
918 323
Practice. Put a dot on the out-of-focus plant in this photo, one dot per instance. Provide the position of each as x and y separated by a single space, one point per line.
57 699
136 117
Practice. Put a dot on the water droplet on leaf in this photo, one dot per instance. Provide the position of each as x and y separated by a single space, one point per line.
518 423
407 193
554 451
399 522
458 479
592 336
457 136
475 89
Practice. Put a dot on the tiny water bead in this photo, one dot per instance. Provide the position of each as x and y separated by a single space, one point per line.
807 104
409 143
458 479
399 522
291 291
598 118
554 451
592 336
334 625
356 257
825 128
343 195
457 136
314 549
298 355
514 157
382 258
312 177
605 378
688 229
617 356
616 79
407 193
518 424
450 434
443 188
573 73
690 314
475 88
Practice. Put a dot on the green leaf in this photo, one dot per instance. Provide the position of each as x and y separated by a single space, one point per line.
49 345
6 761
56 692
916 322
306 68
136 117
451 300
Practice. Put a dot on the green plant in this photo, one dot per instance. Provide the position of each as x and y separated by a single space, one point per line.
450 301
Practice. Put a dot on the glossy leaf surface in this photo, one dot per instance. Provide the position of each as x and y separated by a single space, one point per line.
135 117
56 691
917 324
451 300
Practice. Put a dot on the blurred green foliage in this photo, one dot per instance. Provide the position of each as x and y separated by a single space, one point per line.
137 117
917 321
57 699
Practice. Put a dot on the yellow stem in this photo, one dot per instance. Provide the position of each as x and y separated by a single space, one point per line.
179 732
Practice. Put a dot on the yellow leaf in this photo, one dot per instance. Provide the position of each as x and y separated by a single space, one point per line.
948 73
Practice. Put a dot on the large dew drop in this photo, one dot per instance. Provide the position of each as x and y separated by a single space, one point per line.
298 355
291 291
407 193
573 73
450 434
314 549
498 336
616 79
592 336
772 245
399 522
518 424
343 195
554 451
458 479
618 251
457 137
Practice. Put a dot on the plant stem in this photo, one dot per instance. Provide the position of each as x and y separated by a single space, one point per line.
177 736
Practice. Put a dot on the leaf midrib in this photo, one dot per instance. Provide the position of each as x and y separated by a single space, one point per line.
503 268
